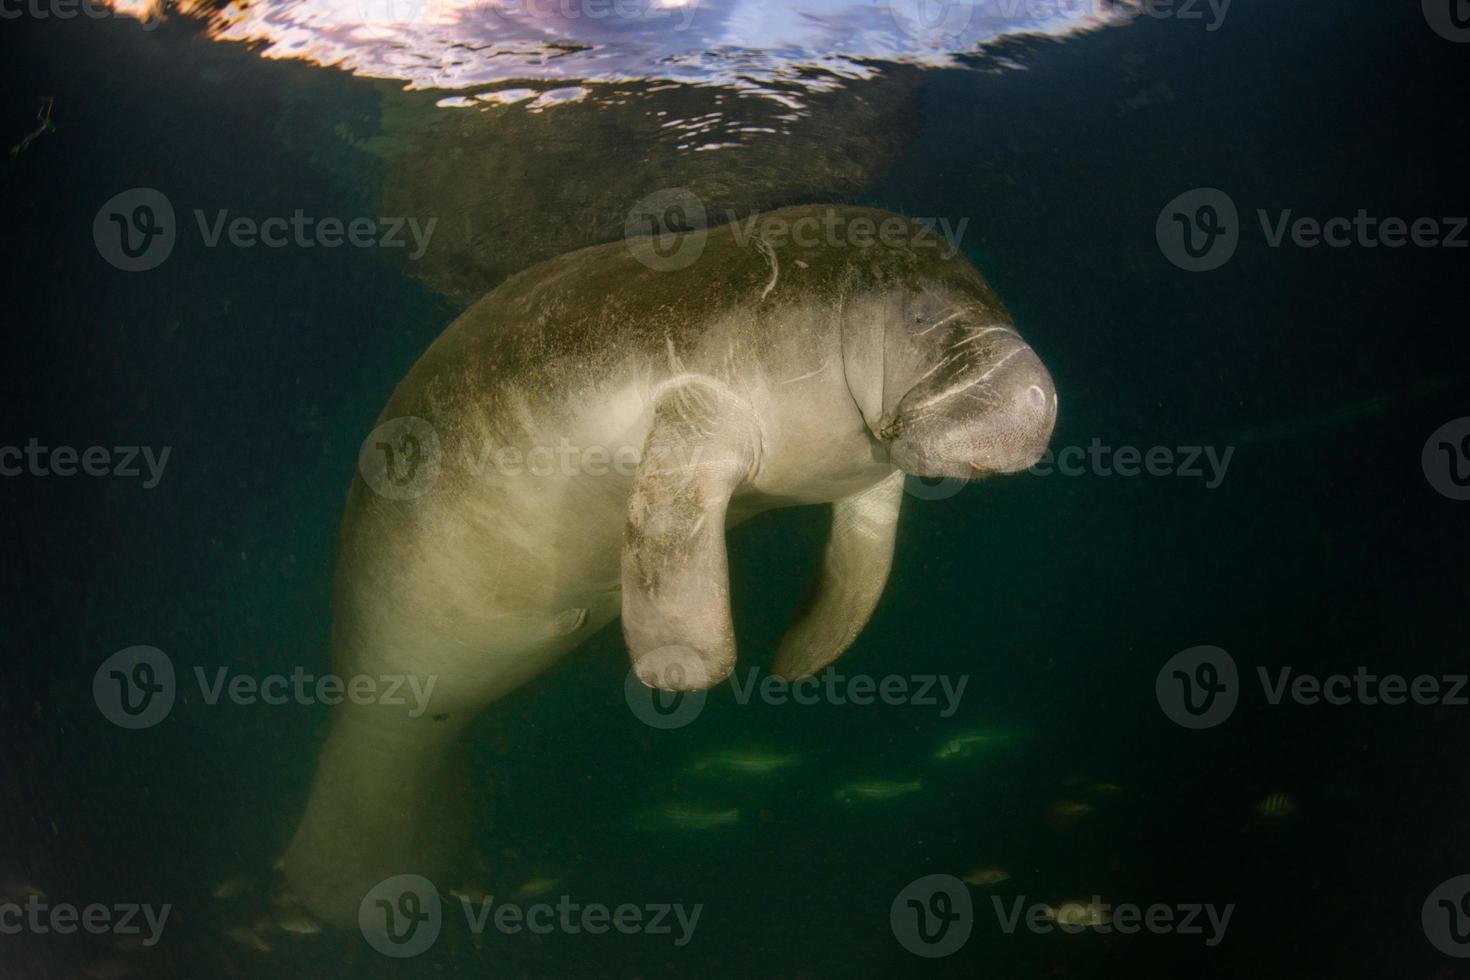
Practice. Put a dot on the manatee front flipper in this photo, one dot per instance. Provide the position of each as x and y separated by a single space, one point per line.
676 583
845 590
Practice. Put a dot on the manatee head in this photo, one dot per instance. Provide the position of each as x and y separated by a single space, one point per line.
963 394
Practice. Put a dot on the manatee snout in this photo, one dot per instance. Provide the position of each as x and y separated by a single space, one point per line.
999 419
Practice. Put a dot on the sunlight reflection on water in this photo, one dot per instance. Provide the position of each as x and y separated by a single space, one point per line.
743 44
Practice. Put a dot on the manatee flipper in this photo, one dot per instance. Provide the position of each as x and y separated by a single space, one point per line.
846 589
703 445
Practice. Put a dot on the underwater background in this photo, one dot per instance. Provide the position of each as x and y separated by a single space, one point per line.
1330 545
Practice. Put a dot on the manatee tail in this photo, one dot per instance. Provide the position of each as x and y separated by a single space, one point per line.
389 798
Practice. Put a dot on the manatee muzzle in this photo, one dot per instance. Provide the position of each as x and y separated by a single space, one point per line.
996 418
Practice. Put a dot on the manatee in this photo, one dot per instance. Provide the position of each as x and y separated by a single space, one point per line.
574 447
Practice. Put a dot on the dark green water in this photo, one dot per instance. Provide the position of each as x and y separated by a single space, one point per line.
1325 548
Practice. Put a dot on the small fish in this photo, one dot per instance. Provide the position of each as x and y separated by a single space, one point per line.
19 891
469 893
285 898
968 744
1104 789
1066 814
876 789
1276 806
683 816
297 922
248 938
745 762
232 887
1078 914
535 887
985 877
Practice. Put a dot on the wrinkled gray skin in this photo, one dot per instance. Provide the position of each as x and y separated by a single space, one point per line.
762 375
